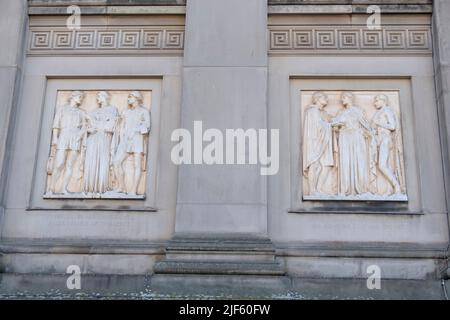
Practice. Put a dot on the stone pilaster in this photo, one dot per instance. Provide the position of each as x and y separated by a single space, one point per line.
13 17
221 222
441 37
224 86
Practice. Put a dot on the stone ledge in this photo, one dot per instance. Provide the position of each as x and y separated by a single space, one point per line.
361 250
348 9
181 10
10 246
348 2
370 250
136 7
111 10
183 2
33 3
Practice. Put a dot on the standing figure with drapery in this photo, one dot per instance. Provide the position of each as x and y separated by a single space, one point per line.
100 129
317 144
133 138
68 132
354 139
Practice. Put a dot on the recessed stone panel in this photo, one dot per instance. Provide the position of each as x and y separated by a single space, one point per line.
352 146
99 145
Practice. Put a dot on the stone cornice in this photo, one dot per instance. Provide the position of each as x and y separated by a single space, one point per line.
347 9
64 3
183 2
350 2
110 10
132 7
107 7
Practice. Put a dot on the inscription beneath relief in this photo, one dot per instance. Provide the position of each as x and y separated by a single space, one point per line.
352 146
99 145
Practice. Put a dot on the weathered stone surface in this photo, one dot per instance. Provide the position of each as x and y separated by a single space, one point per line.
441 33
16 286
219 267
357 289
224 85
12 38
104 2
237 234
354 2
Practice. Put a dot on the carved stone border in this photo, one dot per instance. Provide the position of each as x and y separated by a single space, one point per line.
90 40
294 40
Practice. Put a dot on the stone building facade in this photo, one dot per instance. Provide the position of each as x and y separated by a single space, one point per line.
88 178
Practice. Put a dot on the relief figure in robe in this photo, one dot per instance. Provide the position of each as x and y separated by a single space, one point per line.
101 125
317 144
354 136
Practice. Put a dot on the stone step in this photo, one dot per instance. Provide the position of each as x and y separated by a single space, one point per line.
218 243
241 256
218 268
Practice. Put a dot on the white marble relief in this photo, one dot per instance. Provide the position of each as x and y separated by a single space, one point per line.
99 145
346 156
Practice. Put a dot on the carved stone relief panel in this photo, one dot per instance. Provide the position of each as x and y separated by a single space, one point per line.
99 145
352 147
